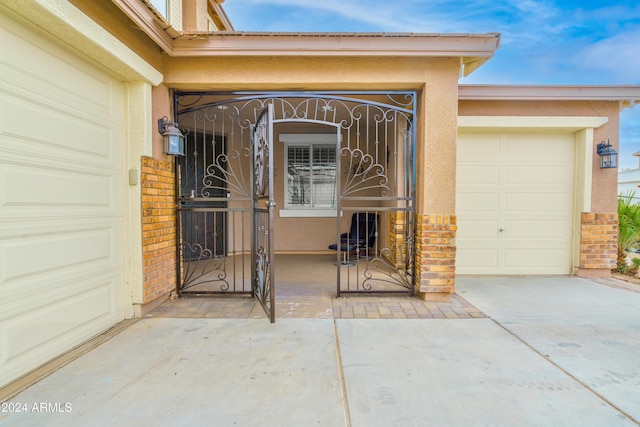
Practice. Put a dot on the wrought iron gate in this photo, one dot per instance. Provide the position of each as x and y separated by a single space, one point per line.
222 217
263 204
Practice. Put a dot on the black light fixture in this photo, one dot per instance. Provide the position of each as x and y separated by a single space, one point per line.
172 137
608 156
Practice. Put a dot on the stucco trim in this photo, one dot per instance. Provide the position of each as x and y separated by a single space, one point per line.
567 124
583 178
629 93
71 27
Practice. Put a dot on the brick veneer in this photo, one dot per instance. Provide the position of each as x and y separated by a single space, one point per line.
598 243
158 228
435 256
397 237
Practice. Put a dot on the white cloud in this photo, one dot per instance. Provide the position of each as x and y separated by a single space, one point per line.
617 58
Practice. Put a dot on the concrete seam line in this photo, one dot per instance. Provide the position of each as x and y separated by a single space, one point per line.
579 381
343 384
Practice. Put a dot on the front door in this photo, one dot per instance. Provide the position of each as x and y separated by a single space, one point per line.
263 206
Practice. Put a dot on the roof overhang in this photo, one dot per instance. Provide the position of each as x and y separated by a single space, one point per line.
472 49
627 95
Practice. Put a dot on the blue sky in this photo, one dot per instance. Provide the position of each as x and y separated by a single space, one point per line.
543 42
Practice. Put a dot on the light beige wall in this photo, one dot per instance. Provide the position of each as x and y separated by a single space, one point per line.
604 181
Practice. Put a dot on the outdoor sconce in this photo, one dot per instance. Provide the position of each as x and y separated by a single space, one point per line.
172 137
608 156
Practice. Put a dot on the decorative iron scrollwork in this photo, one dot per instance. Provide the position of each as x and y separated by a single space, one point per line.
200 267
263 282
363 174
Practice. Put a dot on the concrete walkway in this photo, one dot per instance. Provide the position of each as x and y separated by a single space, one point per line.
554 351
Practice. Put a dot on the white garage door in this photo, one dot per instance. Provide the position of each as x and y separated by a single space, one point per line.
514 203
61 211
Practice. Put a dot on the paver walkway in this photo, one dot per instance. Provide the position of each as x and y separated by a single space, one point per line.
323 307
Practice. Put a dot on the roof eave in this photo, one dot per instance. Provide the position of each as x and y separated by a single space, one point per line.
475 49
154 26
627 94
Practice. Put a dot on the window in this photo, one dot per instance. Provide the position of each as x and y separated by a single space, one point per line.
311 176
310 182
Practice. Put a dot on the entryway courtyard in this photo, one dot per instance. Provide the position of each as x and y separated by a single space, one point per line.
305 287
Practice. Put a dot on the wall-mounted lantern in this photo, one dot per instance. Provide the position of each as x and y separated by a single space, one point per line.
172 137
608 156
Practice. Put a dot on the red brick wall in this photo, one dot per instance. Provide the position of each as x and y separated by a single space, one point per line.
158 228
435 256
598 240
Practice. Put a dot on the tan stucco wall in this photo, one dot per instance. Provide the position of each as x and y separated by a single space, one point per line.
305 73
604 181
437 137
162 107
436 80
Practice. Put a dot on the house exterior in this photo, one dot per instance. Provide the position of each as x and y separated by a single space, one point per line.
464 179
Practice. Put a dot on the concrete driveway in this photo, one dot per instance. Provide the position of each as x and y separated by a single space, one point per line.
589 331
554 351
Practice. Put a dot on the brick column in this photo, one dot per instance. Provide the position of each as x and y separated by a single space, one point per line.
397 237
435 256
598 244
158 228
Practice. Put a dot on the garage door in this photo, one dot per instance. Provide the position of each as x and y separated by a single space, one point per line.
61 212
514 203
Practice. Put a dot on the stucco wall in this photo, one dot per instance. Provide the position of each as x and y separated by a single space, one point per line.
604 181
437 135
436 79
305 73
162 107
